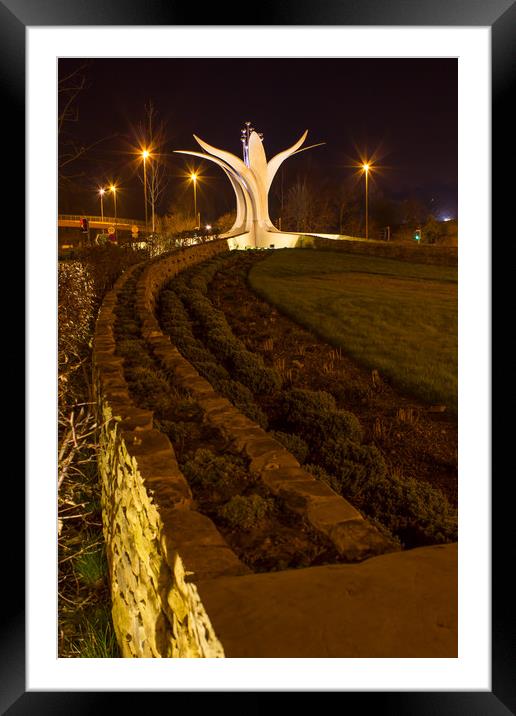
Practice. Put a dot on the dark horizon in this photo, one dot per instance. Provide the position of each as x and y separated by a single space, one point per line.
402 110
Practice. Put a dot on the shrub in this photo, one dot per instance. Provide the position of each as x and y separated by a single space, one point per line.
315 415
293 443
354 465
414 510
243 399
298 403
223 343
212 371
210 470
337 424
255 413
320 474
181 433
246 512
150 388
134 354
186 409
195 353
235 391
261 380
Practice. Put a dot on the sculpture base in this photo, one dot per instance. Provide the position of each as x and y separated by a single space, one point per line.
263 239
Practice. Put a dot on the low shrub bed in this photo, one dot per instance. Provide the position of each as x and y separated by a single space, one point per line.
308 422
262 534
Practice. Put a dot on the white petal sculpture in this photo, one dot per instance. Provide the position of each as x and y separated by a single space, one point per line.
251 181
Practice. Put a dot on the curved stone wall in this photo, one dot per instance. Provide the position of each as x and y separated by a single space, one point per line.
156 611
166 560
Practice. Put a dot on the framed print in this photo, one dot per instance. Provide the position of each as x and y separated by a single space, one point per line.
478 678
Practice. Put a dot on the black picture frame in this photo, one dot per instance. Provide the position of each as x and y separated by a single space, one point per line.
500 16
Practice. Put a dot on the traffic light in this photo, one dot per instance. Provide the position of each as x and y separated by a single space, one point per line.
84 226
417 235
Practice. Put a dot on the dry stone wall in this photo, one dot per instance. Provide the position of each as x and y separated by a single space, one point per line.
158 547
154 541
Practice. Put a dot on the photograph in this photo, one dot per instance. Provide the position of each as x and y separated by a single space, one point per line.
257 353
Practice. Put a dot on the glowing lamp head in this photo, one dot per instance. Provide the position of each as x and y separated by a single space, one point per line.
145 153
365 167
102 192
193 177
112 188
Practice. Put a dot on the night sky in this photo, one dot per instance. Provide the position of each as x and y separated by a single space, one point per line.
401 111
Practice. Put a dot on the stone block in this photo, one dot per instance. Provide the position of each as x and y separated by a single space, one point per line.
279 477
182 528
162 465
114 381
323 515
299 495
137 419
117 395
210 561
147 443
269 460
200 386
357 540
169 493
119 405
240 436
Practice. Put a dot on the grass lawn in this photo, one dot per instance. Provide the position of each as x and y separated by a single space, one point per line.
395 316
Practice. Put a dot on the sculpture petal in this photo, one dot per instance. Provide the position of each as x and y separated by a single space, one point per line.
242 211
231 159
257 156
277 161
245 197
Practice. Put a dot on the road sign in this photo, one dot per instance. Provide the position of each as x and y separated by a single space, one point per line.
134 230
111 230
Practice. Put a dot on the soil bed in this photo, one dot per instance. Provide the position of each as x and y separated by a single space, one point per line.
414 440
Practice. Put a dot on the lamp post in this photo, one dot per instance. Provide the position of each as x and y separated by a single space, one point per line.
113 191
366 168
145 154
101 194
193 177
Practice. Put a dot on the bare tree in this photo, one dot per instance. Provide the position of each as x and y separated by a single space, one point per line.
153 133
226 221
69 150
307 208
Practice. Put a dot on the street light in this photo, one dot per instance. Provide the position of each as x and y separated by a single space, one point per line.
145 154
101 194
193 177
366 166
113 191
